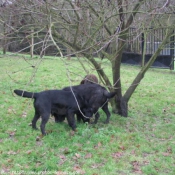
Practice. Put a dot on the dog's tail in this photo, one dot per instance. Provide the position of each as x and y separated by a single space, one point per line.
25 93
109 94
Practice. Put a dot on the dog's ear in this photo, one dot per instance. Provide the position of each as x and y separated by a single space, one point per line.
82 82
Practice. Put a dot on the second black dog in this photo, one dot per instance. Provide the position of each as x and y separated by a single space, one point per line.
96 96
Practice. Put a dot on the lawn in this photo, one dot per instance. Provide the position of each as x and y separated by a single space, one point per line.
142 143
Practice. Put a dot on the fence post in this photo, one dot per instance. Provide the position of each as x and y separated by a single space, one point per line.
32 43
143 48
172 45
5 39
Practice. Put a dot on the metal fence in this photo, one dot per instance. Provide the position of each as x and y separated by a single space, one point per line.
152 38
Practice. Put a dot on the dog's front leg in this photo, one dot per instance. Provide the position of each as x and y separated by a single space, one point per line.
97 116
71 120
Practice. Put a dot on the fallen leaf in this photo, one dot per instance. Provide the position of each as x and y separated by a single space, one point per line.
98 145
166 154
24 114
38 138
29 152
12 133
66 151
88 156
78 170
6 100
77 155
78 144
164 110
122 148
61 173
10 160
117 154
157 160
112 139
62 157
38 164
61 162
133 152
146 162
169 150
5 170
96 165
12 153
136 167
11 110
138 146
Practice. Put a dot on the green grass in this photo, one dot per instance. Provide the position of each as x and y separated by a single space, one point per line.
143 143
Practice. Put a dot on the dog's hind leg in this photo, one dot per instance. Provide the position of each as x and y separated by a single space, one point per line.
45 118
79 116
106 110
71 120
35 119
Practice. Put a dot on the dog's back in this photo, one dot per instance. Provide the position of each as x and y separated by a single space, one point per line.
89 91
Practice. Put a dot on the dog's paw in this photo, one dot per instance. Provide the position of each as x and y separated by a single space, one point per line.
93 123
106 122
33 127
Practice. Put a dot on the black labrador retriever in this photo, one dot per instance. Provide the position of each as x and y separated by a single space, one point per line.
96 96
50 101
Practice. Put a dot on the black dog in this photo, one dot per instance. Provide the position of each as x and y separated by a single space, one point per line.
96 96
48 102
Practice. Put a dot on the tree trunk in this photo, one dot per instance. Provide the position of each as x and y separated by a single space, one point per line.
120 106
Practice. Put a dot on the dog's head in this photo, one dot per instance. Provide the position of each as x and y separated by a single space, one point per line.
89 79
88 112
